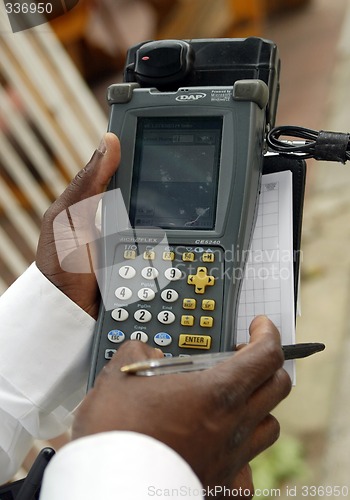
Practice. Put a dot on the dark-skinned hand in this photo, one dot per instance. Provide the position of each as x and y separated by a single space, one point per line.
89 182
216 419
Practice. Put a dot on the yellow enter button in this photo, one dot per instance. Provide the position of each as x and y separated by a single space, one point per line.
195 341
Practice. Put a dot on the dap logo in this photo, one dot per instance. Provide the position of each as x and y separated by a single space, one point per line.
24 15
190 97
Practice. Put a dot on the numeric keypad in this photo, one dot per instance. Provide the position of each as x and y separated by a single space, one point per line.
167 298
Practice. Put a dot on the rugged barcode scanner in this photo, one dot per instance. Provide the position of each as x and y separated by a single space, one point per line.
192 119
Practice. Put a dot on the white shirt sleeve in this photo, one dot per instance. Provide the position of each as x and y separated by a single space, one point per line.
123 465
45 341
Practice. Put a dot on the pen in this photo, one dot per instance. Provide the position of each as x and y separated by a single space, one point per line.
150 367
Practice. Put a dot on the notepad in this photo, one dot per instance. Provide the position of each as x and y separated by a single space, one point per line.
268 286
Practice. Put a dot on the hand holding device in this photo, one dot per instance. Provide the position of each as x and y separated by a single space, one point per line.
223 412
90 181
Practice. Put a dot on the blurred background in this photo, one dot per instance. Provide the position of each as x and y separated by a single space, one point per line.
53 115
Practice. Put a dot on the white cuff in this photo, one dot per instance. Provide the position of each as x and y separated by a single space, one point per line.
117 464
15 443
45 343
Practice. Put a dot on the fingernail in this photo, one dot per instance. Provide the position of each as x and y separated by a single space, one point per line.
102 147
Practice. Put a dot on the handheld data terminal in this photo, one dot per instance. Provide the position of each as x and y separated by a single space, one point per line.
189 178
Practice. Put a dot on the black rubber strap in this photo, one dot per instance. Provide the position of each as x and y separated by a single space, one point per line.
331 146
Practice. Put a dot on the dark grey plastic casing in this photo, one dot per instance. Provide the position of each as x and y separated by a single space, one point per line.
243 110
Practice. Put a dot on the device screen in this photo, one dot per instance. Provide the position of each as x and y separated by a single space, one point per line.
176 172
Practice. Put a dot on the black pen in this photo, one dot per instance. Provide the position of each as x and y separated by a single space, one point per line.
161 366
297 351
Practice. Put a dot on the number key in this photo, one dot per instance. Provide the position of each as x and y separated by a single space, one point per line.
166 317
123 293
169 295
127 272
149 273
173 274
143 316
146 294
141 336
120 314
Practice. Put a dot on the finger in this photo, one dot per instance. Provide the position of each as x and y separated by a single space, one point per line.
243 482
240 346
238 377
93 179
102 166
264 436
109 162
132 352
68 224
269 395
260 325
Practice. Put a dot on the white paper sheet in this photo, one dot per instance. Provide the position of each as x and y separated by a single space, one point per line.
268 286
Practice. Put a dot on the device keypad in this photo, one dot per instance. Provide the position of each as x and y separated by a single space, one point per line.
167 298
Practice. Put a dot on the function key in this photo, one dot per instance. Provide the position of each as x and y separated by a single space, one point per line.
187 320
162 339
194 341
206 321
208 304
168 255
208 257
127 272
109 353
130 254
116 336
189 303
149 255
188 257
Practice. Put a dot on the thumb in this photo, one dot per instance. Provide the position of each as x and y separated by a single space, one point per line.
93 179
88 184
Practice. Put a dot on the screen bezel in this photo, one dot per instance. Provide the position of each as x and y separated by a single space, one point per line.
229 158
166 130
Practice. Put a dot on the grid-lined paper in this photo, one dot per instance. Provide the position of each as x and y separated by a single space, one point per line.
268 286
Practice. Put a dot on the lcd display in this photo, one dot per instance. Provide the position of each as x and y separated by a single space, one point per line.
176 172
